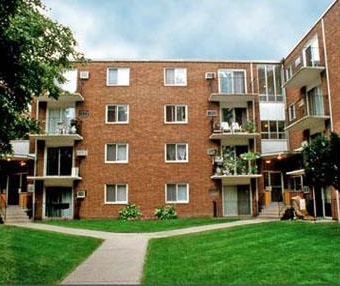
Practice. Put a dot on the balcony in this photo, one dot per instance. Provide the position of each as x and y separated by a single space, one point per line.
307 69
69 88
58 180
307 113
234 133
233 169
232 98
61 133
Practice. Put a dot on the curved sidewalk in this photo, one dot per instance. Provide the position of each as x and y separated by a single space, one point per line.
120 258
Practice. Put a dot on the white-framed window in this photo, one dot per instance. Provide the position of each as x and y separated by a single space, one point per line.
273 129
175 113
291 112
116 153
118 76
117 113
232 81
177 193
116 194
269 81
176 152
175 76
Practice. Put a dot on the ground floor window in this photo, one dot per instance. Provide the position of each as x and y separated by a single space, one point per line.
177 193
58 202
116 194
236 200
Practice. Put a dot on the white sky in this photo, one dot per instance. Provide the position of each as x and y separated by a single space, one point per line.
187 29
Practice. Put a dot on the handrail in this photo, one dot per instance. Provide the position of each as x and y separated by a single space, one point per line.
3 207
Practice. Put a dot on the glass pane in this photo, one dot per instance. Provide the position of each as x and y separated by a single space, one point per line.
278 83
111 113
171 193
181 152
171 152
270 80
239 80
123 76
262 79
170 76
111 152
121 193
52 161
182 193
180 76
225 81
121 152
113 76
65 161
122 113
110 193
170 113
180 113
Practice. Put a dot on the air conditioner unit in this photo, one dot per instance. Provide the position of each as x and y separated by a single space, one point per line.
81 194
84 75
211 113
211 152
75 171
81 152
210 75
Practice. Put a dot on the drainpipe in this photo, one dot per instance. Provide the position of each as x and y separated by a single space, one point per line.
337 205
326 66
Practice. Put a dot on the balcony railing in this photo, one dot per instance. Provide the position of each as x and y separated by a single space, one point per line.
62 127
307 113
305 70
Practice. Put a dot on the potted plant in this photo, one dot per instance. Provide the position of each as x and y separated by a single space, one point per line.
251 158
250 126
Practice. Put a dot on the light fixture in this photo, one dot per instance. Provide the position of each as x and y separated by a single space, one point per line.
268 161
279 157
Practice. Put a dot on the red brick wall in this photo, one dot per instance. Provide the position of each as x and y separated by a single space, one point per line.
147 173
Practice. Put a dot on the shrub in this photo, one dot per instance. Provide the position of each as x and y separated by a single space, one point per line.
165 212
130 212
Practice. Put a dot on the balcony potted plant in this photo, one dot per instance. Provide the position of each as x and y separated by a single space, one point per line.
251 158
250 126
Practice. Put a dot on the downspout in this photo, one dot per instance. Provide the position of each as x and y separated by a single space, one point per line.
35 163
327 78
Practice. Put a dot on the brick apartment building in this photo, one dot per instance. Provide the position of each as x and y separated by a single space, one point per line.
213 138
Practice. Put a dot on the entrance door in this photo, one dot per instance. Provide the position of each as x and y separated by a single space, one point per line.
13 189
230 200
236 200
58 202
274 180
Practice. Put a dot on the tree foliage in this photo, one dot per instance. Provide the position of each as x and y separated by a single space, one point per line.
321 160
34 53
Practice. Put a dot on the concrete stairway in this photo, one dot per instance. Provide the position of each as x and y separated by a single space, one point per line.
15 214
273 211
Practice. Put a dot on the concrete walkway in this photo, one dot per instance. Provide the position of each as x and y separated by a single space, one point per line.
120 258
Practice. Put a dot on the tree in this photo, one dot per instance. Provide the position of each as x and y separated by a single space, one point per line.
321 159
34 53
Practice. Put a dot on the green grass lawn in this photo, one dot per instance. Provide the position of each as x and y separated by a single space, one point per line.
270 253
40 257
138 226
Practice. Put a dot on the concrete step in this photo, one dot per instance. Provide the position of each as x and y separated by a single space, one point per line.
273 210
15 214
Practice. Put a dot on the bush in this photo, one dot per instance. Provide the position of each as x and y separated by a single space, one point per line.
165 212
130 212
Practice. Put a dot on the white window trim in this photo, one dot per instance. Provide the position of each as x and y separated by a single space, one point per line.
291 115
117 122
233 70
176 122
177 201
116 162
116 202
177 161
176 84
118 84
